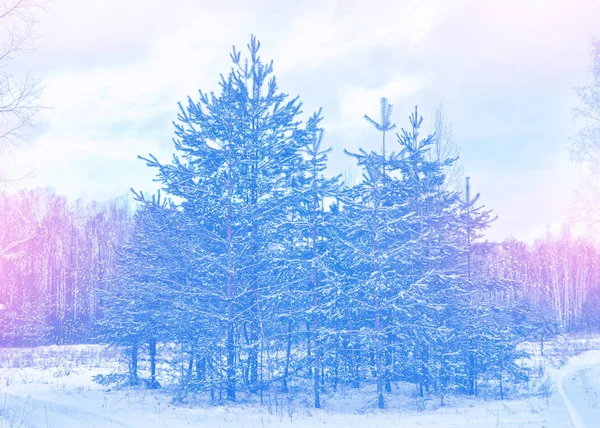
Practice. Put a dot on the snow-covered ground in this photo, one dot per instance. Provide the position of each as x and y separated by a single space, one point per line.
578 384
53 387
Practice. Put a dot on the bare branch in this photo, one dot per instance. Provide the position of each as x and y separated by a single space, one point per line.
10 251
445 147
585 144
19 96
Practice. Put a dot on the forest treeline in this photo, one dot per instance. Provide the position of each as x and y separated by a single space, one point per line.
556 277
56 256
53 278
254 270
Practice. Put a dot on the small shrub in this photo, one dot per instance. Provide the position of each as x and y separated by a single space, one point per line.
118 379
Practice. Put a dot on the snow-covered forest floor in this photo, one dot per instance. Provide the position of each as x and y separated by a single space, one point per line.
54 387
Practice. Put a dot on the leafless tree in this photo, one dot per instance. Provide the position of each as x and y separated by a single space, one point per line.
446 147
585 144
19 96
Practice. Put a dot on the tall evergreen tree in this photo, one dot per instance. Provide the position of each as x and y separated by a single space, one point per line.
319 243
138 307
241 155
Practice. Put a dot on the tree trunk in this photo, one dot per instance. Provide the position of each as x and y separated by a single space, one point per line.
500 377
388 363
133 372
309 372
190 369
376 272
471 374
317 374
253 361
152 347
230 363
379 374
317 362
201 369
288 354
230 344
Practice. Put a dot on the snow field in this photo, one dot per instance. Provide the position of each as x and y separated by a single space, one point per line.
53 387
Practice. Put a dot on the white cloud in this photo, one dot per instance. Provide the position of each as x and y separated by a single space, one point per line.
334 30
398 90
108 115
113 88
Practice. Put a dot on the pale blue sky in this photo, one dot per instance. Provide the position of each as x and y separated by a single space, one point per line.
115 69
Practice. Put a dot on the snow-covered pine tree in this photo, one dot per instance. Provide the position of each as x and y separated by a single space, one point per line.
377 235
430 264
360 264
137 307
314 227
403 242
240 156
489 331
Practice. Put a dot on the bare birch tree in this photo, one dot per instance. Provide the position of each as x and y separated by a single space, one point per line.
19 95
585 144
445 147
